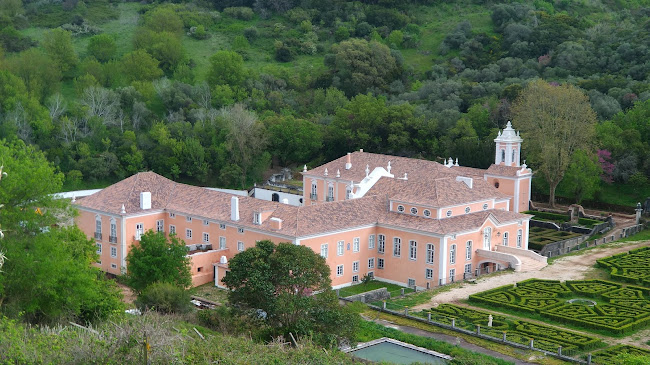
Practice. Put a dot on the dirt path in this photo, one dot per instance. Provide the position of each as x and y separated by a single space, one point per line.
567 268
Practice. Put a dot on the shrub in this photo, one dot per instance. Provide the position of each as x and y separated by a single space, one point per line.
251 33
240 12
164 298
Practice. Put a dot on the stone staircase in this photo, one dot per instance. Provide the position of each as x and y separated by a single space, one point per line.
528 264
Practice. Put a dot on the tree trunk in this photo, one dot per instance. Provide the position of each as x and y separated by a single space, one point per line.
551 193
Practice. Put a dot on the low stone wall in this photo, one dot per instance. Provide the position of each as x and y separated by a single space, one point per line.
370 296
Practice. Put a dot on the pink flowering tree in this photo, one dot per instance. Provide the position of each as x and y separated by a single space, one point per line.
604 158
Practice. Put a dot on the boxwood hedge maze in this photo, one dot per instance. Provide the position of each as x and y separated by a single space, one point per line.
609 307
632 267
605 356
545 337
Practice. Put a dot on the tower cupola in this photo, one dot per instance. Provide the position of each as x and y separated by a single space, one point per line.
508 147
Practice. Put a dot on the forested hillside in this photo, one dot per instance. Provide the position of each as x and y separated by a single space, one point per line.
217 92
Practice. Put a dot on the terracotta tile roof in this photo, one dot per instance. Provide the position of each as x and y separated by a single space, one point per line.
399 165
468 171
504 170
127 192
300 221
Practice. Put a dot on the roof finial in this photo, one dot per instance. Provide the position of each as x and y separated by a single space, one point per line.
406 176
123 211
325 172
304 169
338 173
389 167
456 164
367 170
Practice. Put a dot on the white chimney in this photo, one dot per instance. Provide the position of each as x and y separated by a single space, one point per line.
145 200
285 201
223 260
276 223
234 208
348 161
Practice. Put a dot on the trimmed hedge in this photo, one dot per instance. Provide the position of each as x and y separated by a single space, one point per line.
626 309
518 331
631 267
605 356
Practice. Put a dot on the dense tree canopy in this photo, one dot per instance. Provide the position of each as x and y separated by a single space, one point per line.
555 121
280 280
158 259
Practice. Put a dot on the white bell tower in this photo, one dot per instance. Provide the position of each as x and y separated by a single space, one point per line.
508 147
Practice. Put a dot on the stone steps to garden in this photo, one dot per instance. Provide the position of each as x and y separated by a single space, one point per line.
528 264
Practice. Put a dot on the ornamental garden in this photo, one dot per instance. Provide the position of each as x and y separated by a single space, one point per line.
616 307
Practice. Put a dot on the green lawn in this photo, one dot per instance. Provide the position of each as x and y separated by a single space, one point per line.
210 292
372 285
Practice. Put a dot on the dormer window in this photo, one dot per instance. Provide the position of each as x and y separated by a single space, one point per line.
256 218
414 211
449 213
400 208
427 213
467 210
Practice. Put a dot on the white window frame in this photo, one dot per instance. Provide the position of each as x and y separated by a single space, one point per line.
505 238
172 215
431 253
468 268
222 226
240 246
467 210
339 270
113 266
468 248
410 282
257 218
356 244
371 263
340 248
355 278
222 243
98 224
452 254
188 218
400 208
113 251
172 229
139 231
160 225
371 242
487 238
240 230
426 212
428 273
448 213
381 243
397 247
452 275
323 250
113 229
188 233
330 191
206 222
206 237
99 247
520 236
413 250
355 266
414 210
380 263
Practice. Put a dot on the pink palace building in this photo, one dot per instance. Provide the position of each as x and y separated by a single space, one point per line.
404 221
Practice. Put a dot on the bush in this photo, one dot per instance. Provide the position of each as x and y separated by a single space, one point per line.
251 33
164 298
240 12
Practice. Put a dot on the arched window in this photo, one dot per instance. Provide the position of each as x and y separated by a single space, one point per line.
503 155
275 197
487 236
505 238
519 237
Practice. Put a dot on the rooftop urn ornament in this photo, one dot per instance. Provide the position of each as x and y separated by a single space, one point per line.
450 162
304 169
456 164
388 167
123 211
367 170
338 173
325 172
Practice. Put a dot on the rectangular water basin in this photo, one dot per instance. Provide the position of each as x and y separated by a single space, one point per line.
397 352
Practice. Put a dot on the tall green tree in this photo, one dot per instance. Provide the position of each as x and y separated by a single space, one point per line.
58 45
582 178
48 274
555 121
280 281
293 140
158 259
140 66
226 68
102 47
